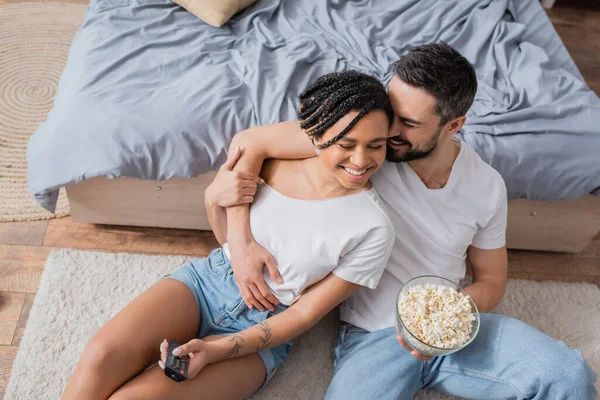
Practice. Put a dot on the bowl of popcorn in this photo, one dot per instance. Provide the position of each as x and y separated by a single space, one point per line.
435 316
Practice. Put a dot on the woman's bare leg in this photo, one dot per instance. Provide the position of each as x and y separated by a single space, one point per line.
232 379
130 341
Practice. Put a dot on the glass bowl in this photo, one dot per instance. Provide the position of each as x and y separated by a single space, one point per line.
412 340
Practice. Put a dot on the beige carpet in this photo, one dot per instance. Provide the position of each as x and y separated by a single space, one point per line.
34 44
80 291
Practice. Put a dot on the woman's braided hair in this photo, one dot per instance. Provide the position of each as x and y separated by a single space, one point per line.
334 95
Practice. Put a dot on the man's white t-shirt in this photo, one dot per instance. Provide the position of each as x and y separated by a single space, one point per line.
351 236
434 228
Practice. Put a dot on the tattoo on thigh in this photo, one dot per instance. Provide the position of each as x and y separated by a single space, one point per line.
265 339
237 341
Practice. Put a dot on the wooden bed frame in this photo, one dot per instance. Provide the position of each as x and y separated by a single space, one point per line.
566 226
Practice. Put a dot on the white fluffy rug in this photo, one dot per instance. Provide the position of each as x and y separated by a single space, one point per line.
81 290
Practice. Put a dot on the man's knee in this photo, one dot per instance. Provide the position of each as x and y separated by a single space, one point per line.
577 378
535 362
567 375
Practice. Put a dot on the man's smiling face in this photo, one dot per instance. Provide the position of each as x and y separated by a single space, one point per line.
416 130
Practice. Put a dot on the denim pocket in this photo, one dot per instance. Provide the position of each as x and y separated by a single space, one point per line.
348 336
217 263
229 320
353 330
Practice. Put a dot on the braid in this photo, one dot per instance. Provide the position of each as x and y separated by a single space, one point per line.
334 95
343 132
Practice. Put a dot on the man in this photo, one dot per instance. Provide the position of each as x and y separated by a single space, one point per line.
448 207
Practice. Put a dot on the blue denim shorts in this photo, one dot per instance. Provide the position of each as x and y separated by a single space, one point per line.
222 310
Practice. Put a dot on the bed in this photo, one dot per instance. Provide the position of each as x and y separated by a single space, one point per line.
151 96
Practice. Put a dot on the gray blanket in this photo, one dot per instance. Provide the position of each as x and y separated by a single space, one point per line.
150 91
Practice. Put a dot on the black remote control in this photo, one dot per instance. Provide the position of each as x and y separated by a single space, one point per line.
176 367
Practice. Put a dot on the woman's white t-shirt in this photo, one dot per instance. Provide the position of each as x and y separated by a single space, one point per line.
350 236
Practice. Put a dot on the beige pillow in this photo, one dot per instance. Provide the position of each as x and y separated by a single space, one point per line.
214 12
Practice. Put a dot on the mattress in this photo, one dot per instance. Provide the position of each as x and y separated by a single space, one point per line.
149 91
544 168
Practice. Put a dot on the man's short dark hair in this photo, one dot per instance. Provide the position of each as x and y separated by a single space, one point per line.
444 73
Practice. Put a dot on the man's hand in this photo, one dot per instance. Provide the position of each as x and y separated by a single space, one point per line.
231 188
248 259
412 351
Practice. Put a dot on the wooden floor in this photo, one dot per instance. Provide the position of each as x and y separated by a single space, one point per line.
24 247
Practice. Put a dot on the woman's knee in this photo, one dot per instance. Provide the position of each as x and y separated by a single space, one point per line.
128 395
100 353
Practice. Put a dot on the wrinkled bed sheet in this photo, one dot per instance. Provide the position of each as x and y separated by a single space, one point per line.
150 91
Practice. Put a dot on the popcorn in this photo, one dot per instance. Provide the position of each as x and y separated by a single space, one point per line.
437 315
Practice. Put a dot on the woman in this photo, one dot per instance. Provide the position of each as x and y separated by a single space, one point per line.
325 227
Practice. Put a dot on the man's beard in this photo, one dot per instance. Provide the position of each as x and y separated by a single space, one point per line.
392 155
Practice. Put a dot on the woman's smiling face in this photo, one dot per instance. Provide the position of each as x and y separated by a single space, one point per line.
359 153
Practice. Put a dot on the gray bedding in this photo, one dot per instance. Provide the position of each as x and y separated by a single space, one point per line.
150 91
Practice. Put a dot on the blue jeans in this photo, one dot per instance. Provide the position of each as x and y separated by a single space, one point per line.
507 360
222 310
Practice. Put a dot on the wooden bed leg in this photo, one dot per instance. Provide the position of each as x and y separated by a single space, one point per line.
565 226
174 203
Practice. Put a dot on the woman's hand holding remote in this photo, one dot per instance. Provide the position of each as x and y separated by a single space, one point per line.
198 351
